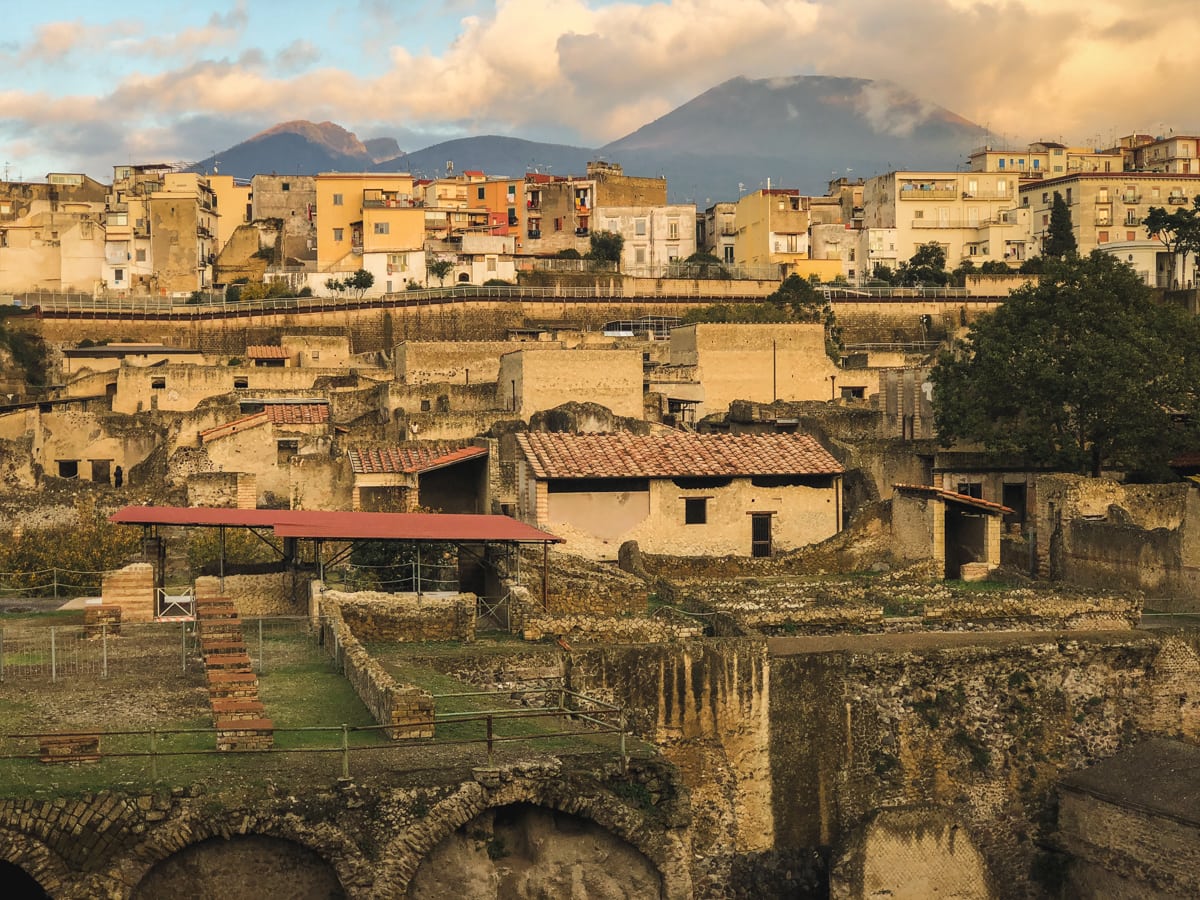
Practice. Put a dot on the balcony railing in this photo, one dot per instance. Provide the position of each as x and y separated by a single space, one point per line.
534 233
1131 198
913 193
581 232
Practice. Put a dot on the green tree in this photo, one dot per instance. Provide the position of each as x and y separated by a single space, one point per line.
439 269
1178 231
1060 237
926 266
335 285
1080 372
995 267
360 282
606 246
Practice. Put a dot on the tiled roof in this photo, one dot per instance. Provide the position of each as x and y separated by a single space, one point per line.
954 497
297 413
409 460
676 454
266 351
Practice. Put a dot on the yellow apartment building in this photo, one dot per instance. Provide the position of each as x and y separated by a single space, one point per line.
772 232
232 202
1045 159
51 236
1108 208
972 215
360 215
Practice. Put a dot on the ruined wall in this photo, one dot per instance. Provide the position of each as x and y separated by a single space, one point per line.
534 380
408 708
228 490
379 616
1141 537
455 362
253 595
132 589
186 386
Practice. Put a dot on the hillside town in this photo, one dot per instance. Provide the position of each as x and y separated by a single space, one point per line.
325 467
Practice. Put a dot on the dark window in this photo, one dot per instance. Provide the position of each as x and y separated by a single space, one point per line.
285 450
241 382
68 468
971 489
695 510
701 483
158 383
597 485
285 187
425 406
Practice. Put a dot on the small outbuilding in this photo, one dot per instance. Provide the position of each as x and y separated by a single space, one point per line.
680 492
957 530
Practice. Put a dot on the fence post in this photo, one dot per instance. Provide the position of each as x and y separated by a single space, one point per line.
183 645
53 659
104 649
261 659
153 754
55 571
489 739
1 653
345 751
624 755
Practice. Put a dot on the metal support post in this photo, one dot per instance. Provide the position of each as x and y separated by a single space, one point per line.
345 751
53 657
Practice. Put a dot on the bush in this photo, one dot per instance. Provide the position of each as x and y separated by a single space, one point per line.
497 282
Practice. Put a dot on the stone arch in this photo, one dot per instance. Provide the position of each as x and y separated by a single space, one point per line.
176 835
910 851
33 858
661 848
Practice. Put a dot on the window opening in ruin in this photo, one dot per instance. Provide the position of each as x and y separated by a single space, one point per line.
241 382
971 489
695 510
68 468
158 384
100 470
285 450
760 534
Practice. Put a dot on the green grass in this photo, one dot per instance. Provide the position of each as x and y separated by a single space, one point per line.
305 695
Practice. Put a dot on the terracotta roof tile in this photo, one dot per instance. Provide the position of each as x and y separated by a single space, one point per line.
297 413
954 497
675 454
266 351
409 460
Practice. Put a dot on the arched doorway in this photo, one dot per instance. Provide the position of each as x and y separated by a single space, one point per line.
250 867
525 850
17 884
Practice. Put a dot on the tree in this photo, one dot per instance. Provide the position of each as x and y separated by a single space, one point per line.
606 246
927 266
1178 231
1060 238
439 269
1080 372
360 282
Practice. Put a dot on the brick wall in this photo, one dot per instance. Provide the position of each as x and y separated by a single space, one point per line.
132 589
253 595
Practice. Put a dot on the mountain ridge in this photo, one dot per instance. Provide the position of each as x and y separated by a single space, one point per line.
797 130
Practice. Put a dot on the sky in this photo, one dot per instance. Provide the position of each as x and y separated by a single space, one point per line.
87 86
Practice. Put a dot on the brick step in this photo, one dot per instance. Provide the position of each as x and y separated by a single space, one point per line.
209 603
245 734
236 710
208 647
249 692
214 615
228 662
219 677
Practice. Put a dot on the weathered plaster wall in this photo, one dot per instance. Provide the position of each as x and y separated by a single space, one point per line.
534 380
456 362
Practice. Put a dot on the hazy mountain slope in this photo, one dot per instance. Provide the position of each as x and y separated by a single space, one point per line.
495 155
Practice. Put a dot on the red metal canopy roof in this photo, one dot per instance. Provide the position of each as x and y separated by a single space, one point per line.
339 525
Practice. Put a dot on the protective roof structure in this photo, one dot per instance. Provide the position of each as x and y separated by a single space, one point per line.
348 526
938 493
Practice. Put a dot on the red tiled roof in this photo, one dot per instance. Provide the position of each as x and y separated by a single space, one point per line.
409 460
266 351
297 413
954 497
677 454
335 525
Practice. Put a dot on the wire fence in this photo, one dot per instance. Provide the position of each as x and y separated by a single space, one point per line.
56 652
51 582
417 576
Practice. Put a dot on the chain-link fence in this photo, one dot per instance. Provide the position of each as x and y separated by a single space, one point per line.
54 652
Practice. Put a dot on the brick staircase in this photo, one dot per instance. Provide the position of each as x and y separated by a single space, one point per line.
238 714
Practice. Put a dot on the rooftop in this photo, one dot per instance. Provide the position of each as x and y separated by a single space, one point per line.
676 454
409 460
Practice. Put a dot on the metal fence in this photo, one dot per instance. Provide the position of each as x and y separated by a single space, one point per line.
50 653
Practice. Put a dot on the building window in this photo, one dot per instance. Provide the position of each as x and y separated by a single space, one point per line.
285 187
1102 237
382 227
1131 235
558 224
673 230
338 234
68 468
480 193
241 382
971 489
695 510
141 255
728 254
639 226
118 275
285 450
639 255
158 384
337 199
316 354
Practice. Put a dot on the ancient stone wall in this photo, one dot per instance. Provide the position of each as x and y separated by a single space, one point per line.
378 616
409 709
132 589
254 596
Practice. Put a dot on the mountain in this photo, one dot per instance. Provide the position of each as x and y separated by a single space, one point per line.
799 132
498 156
304 148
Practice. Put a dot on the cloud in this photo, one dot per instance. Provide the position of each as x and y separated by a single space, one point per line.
586 72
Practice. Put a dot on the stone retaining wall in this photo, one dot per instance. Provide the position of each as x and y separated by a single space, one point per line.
406 707
532 622
253 595
378 616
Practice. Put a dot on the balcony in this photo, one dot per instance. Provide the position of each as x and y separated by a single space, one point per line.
1177 200
533 203
913 193
581 232
534 234
1131 198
